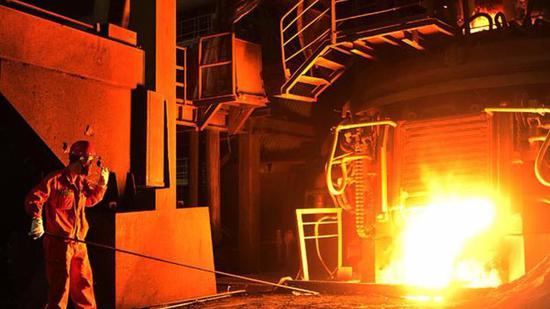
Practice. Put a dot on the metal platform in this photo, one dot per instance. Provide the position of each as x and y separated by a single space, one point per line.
319 43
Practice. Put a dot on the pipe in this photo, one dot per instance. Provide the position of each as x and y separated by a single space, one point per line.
546 143
384 174
343 127
470 19
149 257
534 139
534 110
540 158
500 21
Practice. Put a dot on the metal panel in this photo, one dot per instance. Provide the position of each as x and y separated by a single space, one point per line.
154 173
248 67
456 147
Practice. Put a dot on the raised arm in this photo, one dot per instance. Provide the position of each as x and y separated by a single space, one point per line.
95 192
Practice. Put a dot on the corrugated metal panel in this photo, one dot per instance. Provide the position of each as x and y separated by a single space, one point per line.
453 149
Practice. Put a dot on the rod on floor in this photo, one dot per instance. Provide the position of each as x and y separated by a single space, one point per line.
154 258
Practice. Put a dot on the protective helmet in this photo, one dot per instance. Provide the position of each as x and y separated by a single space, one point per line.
81 149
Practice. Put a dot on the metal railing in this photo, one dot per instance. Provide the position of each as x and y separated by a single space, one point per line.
181 74
293 32
212 62
309 24
191 29
319 216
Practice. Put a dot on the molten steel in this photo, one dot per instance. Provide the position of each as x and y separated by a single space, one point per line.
452 241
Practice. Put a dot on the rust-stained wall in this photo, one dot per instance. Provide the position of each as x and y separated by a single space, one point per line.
60 80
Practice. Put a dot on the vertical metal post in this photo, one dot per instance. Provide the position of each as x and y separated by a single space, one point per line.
233 64
303 254
199 82
339 216
384 172
333 21
465 16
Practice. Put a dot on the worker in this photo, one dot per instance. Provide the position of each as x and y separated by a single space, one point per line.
61 198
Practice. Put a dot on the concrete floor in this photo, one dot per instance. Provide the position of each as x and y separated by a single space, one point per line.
304 301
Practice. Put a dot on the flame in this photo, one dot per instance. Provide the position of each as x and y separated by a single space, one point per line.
453 240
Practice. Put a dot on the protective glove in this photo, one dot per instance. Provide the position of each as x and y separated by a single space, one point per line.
104 177
37 228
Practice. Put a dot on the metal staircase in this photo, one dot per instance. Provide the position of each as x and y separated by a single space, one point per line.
320 39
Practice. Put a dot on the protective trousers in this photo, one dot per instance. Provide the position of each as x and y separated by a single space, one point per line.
69 273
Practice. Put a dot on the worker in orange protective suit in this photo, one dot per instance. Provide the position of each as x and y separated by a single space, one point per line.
61 198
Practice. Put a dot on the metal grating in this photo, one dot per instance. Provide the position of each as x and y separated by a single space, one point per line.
456 149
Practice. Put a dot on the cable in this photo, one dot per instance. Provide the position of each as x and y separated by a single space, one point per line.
182 265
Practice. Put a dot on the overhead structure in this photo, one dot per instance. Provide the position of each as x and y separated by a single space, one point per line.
319 39
229 82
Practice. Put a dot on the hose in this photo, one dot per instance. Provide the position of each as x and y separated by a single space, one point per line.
540 159
149 257
470 19
343 160
500 21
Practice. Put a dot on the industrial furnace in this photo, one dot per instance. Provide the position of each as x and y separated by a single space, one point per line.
439 165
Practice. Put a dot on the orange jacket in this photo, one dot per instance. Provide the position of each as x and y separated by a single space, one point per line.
63 203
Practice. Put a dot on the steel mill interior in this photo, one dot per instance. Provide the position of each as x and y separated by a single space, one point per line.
275 154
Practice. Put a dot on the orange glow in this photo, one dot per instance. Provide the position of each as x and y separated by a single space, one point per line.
452 240
481 23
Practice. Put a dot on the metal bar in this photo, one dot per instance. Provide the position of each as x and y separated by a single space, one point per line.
214 64
292 9
321 236
149 257
195 300
199 82
283 53
41 10
333 34
533 139
211 36
303 252
384 173
534 110
340 240
324 222
300 15
349 159
322 36
234 67
184 50
376 13
316 211
306 26
366 124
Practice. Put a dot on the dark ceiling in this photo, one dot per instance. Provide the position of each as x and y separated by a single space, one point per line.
192 4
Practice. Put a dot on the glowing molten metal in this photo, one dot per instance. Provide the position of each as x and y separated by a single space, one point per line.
451 241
